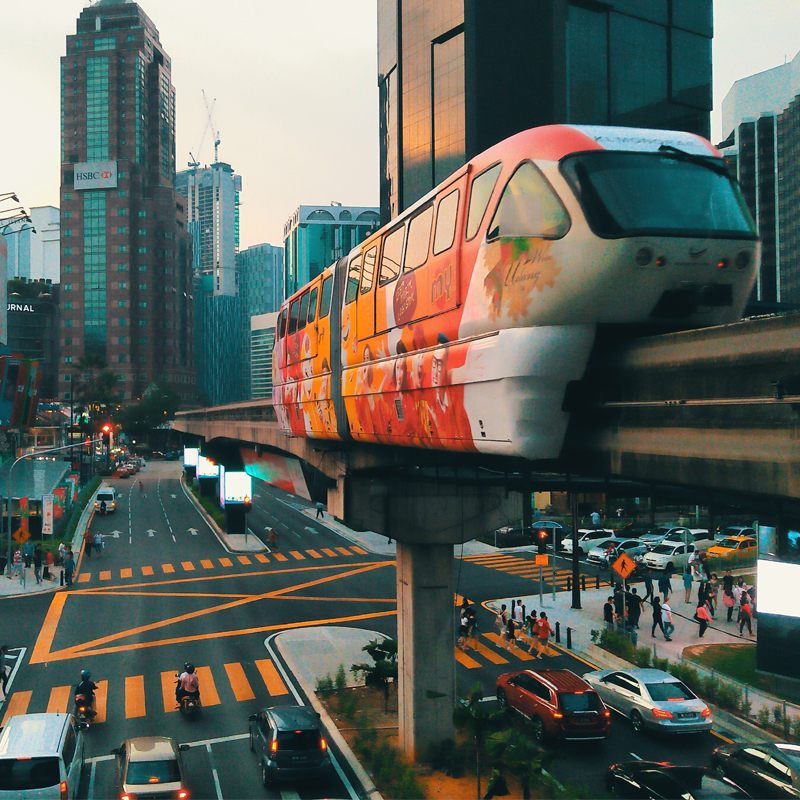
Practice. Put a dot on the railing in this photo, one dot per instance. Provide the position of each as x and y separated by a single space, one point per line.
253 411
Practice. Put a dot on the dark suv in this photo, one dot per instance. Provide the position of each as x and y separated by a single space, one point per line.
559 703
289 743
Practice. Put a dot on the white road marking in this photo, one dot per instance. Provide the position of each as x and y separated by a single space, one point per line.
201 743
151 532
311 530
193 531
114 534
214 772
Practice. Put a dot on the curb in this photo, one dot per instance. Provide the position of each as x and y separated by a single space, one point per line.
370 790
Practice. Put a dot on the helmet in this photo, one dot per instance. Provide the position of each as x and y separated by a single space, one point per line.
189 667
85 675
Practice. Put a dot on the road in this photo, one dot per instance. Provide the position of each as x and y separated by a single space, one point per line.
165 591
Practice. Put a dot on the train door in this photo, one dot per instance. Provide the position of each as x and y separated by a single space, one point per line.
391 259
365 303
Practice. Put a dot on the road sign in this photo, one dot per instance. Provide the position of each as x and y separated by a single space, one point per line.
624 566
541 560
22 535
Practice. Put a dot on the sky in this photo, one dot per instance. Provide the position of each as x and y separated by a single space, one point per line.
296 93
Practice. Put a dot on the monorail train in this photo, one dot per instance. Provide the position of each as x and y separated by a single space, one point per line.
458 325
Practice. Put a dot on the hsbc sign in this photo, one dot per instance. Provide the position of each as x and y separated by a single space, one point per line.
96 175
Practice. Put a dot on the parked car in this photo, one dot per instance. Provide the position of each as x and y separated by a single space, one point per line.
634 530
764 769
678 533
559 704
653 780
735 530
157 455
150 766
607 550
669 556
651 699
587 539
700 536
734 548
289 743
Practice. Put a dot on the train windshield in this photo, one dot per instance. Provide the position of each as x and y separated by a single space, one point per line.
658 194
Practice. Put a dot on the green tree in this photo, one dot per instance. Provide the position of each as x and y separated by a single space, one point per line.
471 713
158 405
516 751
94 387
383 671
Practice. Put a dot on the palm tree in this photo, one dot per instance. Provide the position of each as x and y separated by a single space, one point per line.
383 671
518 752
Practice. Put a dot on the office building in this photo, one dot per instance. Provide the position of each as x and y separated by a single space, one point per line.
316 236
126 256
761 126
261 289
219 353
262 341
457 77
3 270
34 248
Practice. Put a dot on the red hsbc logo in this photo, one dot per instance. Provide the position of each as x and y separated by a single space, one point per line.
105 174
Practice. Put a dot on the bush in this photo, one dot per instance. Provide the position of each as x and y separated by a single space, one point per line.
642 657
340 681
616 642
324 686
447 757
764 718
77 510
348 705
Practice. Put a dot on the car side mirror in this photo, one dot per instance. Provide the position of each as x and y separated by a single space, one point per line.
252 718
184 747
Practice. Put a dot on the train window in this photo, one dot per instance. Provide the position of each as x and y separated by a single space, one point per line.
479 197
392 252
312 305
419 239
368 273
301 321
282 324
293 316
327 291
446 223
353 277
529 206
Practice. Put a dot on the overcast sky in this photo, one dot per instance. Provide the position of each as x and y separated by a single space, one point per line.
296 92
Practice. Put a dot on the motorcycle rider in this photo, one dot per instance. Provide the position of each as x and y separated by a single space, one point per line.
188 684
87 688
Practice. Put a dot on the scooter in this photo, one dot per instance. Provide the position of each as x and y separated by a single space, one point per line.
83 710
189 705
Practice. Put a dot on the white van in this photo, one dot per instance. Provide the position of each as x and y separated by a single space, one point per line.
41 756
105 494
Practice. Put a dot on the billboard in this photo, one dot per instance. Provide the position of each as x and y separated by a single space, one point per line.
238 488
222 486
96 175
277 470
206 468
190 456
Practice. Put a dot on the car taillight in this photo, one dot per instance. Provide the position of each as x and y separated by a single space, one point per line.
557 715
182 794
323 744
124 797
273 746
64 792
706 712
606 713
662 713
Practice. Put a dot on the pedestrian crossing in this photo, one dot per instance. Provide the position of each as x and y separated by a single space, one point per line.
233 682
88 573
525 568
479 652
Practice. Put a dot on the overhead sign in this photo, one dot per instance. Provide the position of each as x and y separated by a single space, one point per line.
96 175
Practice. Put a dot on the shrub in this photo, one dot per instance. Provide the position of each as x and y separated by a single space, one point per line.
642 656
661 663
777 715
616 642
348 705
796 727
763 717
324 686
447 757
729 696
340 681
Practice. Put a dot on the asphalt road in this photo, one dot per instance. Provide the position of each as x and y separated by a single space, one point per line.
165 591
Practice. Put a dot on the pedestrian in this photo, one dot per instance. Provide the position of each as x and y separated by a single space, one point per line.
37 562
320 508
633 605
463 628
544 632
728 602
595 515
501 619
5 669
87 543
727 581
712 588
705 565
98 543
272 539
666 618
69 567
703 616
688 580
665 584
472 626
50 563
608 613
619 606
658 619
647 575
702 593
511 634
745 615
27 552
738 591
519 613
61 553
18 565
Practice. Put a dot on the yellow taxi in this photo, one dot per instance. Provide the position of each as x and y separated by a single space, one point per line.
734 547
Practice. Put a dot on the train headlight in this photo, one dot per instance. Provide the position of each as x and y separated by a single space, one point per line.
743 259
644 256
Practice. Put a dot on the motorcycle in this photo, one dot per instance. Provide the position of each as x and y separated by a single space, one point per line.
83 710
189 704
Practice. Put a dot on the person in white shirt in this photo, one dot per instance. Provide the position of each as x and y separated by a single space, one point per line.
666 618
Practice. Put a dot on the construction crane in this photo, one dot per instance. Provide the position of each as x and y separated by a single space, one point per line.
194 163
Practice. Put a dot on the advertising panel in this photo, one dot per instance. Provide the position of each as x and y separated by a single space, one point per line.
21 393
96 175
222 486
190 456
238 487
206 468
48 513
8 391
277 470
777 588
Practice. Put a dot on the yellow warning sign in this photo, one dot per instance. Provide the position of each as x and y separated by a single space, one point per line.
541 560
624 566
22 535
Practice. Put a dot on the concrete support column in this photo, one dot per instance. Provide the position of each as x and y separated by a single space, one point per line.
336 499
425 625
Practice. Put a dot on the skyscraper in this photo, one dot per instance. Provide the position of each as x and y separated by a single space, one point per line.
33 250
125 252
456 77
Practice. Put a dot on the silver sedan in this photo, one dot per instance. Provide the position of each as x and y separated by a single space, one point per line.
608 550
651 698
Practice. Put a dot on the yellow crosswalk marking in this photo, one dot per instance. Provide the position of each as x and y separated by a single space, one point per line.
147 570
279 557
344 551
101 697
168 691
105 575
495 658
359 550
187 566
207 564
272 680
134 697
328 552
208 690
313 554
126 573
297 555
84 577
59 700
262 558
496 639
18 704
168 568
463 658
239 683
226 562
244 560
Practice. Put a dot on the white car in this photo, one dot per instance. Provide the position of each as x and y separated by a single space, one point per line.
669 555
587 539
608 550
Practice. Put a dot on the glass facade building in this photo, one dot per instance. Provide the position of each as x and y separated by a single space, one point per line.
458 76
125 253
262 342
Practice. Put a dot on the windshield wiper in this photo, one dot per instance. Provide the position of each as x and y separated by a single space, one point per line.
703 161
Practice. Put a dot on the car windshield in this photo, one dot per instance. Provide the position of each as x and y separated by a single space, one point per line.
734 531
669 690
732 543
664 549
656 532
149 772
790 752
606 543
298 740
580 701
660 194
105 496
28 774
701 785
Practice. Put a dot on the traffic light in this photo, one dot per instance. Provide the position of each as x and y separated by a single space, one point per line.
541 539
107 435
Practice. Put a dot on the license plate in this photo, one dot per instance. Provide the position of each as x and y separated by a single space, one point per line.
685 715
299 758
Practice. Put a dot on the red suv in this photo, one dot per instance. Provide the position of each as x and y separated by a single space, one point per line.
559 703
